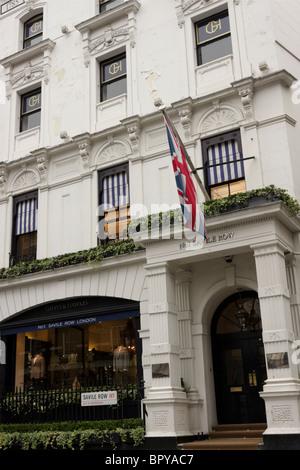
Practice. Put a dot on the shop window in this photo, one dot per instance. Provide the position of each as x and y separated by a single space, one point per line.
113 80
213 38
30 110
24 240
78 356
114 204
33 31
224 165
105 5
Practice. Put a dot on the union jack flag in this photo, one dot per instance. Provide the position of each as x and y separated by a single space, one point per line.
192 213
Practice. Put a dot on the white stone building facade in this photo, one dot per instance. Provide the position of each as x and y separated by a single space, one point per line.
80 81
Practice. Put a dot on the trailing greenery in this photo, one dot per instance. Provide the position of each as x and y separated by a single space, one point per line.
71 435
216 207
241 200
163 219
85 256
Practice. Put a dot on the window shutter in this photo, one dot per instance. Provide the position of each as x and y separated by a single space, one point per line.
218 171
26 220
115 191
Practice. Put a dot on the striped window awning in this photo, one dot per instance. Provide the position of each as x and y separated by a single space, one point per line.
115 190
26 220
218 170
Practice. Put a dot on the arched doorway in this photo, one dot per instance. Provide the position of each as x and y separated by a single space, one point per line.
239 360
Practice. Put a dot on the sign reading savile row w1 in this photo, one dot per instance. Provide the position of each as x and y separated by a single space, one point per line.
109 397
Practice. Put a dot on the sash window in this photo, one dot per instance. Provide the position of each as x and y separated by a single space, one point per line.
114 202
33 31
106 5
24 241
30 110
224 166
113 77
213 38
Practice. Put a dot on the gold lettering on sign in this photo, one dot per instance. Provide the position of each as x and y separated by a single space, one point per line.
115 68
213 26
36 27
33 101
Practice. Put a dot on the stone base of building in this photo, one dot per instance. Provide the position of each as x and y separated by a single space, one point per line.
281 442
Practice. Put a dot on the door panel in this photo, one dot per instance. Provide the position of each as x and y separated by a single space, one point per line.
240 372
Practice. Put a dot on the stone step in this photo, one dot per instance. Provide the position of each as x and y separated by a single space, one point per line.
250 443
230 437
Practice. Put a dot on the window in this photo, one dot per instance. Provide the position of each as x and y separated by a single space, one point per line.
114 203
24 240
30 110
213 38
106 5
223 165
86 354
113 77
33 31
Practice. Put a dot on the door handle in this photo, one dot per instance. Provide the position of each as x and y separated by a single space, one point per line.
252 379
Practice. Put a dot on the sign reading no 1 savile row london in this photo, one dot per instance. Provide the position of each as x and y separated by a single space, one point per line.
99 398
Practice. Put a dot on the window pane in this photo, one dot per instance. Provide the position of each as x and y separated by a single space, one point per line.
106 5
112 89
102 353
216 49
30 120
32 41
26 246
234 367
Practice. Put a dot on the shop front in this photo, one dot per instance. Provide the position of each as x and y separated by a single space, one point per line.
71 344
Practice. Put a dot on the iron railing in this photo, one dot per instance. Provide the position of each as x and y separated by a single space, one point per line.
48 405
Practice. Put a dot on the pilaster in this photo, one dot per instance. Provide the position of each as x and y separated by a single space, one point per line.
166 401
282 388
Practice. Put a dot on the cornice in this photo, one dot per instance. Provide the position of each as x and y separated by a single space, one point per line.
28 54
106 18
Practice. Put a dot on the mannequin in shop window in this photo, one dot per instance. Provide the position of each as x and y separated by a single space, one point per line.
38 369
120 363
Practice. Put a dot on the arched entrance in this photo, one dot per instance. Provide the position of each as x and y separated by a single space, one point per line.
239 360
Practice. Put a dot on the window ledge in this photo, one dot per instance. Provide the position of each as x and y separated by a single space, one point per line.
28 139
106 18
26 55
214 75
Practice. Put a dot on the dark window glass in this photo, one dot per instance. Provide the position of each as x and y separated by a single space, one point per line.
113 77
33 31
215 49
106 5
213 38
30 110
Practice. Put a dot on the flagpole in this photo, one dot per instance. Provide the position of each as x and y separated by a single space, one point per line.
161 107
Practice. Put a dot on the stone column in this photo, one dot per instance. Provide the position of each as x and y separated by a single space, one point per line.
166 401
282 387
185 318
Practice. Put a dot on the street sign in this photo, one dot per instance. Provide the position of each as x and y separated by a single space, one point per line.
109 397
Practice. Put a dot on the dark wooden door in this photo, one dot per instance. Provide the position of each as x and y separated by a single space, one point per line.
240 371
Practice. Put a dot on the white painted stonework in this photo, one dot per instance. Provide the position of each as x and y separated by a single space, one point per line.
254 89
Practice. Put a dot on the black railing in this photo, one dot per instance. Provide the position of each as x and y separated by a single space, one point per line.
48 405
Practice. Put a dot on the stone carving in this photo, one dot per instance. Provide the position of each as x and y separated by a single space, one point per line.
282 413
25 179
113 151
222 117
160 418
109 38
